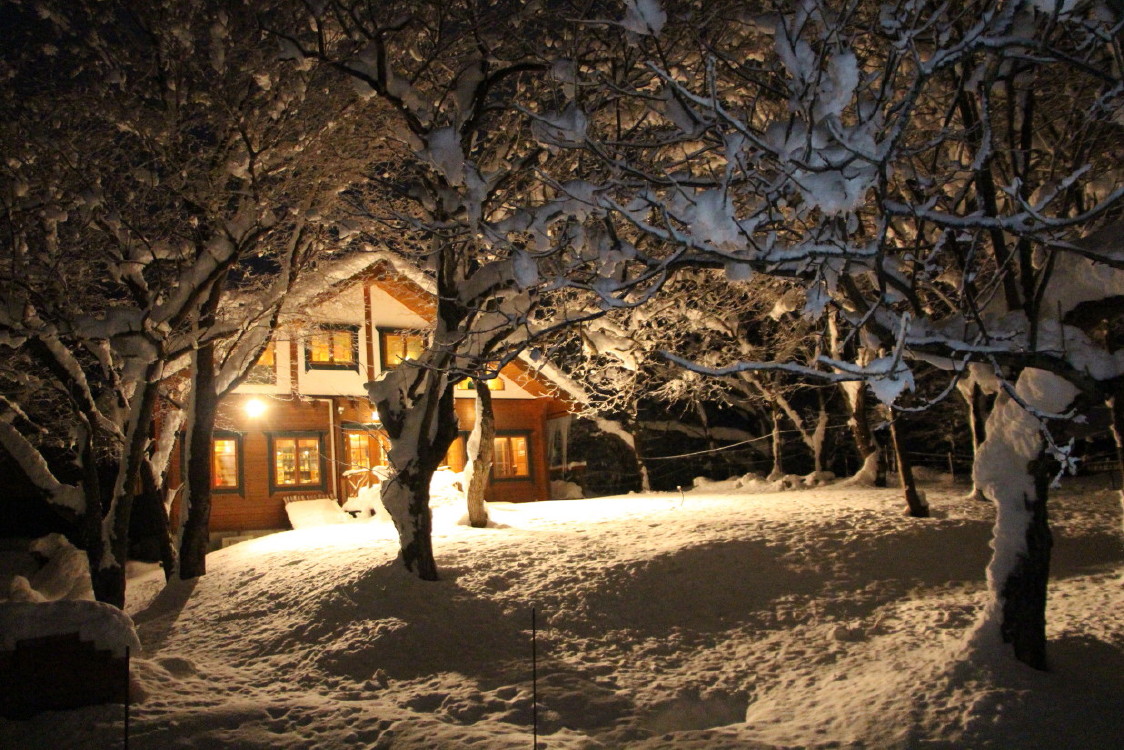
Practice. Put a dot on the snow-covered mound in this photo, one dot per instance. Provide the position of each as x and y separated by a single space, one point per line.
819 617
45 590
307 514
63 574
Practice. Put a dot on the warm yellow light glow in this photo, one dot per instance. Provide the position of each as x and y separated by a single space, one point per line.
255 407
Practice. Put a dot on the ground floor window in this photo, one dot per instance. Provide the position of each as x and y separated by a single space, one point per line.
512 459
364 449
297 461
226 462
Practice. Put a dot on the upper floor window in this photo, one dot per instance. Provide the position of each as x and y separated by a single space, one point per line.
494 384
264 371
333 347
397 345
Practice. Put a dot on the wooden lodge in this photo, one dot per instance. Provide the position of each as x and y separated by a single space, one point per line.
302 423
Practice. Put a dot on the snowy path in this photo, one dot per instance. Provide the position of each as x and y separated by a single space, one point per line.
814 618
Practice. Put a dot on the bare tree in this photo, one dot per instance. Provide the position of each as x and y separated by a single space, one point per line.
474 109
927 171
157 169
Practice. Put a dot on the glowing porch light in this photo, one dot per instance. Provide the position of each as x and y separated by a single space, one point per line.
255 407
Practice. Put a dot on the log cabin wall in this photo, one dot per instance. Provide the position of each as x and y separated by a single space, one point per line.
258 503
312 406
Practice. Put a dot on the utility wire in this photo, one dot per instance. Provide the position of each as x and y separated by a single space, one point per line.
735 445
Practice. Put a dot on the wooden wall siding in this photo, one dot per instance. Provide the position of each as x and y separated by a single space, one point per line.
256 507
516 416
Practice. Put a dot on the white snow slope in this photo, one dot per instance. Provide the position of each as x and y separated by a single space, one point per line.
721 619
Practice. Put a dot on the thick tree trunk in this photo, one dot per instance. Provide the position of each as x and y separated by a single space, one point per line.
1012 470
406 497
872 469
816 443
1024 592
91 524
156 508
201 423
481 444
415 404
109 576
915 504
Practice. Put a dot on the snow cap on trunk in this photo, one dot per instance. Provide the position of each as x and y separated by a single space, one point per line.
644 17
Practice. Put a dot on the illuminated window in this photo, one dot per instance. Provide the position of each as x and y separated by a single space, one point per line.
364 449
226 463
396 345
511 459
494 384
264 371
332 348
296 461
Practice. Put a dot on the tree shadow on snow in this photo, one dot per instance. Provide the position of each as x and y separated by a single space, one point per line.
156 621
714 587
706 588
1077 703
388 625
1083 554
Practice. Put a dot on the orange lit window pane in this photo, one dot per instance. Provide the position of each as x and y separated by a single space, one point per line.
265 369
268 357
332 347
296 462
358 450
510 459
398 346
468 384
456 456
341 346
318 347
224 464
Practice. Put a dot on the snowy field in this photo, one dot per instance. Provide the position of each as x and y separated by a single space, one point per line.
724 618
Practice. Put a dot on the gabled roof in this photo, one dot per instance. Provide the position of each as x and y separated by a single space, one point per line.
405 285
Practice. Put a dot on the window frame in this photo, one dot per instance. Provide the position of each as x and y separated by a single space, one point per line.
239 462
256 374
330 328
384 331
526 435
495 384
348 429
271 453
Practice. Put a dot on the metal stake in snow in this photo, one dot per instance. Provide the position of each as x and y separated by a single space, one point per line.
534 681
128 666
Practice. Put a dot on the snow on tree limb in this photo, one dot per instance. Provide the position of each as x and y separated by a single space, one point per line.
35 467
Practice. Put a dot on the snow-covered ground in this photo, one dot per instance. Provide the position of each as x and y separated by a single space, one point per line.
722 618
